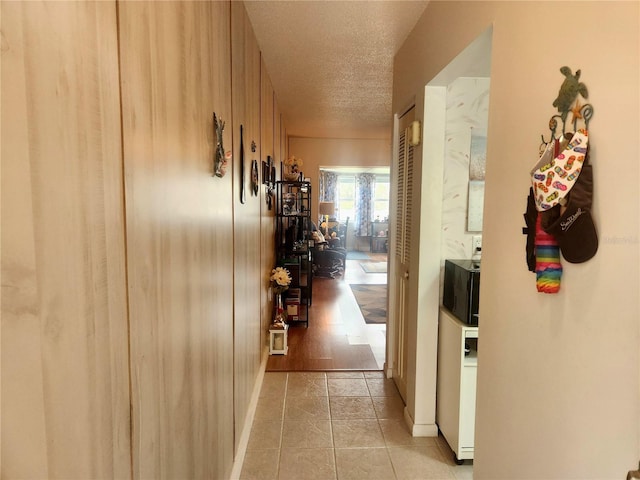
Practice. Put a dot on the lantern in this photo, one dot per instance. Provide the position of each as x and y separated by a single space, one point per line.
278 339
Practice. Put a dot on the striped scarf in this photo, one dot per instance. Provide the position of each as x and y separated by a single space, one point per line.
548 266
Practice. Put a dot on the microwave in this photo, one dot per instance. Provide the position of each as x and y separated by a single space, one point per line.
462 289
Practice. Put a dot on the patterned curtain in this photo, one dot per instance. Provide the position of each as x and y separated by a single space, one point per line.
365 183
328 186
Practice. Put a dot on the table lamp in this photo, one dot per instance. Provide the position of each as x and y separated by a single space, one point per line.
325 209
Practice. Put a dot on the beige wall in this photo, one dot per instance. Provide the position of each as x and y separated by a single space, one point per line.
332 152
133 280
558 375
65 383
247 268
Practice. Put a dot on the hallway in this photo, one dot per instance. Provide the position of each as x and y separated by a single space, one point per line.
337 337
339 425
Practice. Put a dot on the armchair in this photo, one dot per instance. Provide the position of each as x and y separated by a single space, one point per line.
342 233
329 262
337 233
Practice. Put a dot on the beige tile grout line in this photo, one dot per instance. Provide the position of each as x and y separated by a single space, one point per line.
284 411
333 442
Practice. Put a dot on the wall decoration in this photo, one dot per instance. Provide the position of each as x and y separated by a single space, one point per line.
568 101
266 173
477 165
477 154
269 198
558 216
243 195
475 206
254 177
221 159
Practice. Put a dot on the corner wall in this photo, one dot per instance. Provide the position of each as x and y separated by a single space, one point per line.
557 375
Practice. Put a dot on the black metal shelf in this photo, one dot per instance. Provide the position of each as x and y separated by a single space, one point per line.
293 242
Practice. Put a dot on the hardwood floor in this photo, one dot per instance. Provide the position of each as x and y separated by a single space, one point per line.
337 337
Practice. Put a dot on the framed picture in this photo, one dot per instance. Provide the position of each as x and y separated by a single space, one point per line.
266 174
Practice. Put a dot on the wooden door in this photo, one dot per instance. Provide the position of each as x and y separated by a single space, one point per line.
401 252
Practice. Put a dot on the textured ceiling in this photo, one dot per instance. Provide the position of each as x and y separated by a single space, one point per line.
331 62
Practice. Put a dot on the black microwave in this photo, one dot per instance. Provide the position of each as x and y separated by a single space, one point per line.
462 289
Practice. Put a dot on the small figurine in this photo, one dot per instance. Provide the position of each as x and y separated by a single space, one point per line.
220 158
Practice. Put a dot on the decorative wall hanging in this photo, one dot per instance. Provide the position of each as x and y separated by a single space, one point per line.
269 179
477 167
221 159
254 177
243 195
255 171
558 216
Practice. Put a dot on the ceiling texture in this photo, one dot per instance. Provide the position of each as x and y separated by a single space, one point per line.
331 62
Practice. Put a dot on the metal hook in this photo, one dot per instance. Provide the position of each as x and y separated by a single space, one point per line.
553 125
587 113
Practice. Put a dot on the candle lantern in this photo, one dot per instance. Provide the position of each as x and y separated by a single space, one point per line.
278 339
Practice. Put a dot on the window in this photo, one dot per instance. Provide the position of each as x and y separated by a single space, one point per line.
381 197
346 197
346 201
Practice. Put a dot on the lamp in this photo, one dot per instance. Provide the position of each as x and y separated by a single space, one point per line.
326 209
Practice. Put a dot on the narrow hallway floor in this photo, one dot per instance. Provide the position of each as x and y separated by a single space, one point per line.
340 425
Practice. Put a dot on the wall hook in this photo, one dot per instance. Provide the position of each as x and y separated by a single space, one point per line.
568 101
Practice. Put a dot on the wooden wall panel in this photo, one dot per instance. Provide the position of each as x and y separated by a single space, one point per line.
267 218
65 387
175 66
248 273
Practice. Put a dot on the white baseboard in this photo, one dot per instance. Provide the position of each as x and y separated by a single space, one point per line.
420 429
248 423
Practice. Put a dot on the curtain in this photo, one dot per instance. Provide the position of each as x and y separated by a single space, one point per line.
328 186
365 183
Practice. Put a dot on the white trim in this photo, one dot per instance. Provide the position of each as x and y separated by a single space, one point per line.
418 430
248 423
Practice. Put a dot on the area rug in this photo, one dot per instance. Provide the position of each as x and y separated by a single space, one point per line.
372 300
374 267
354 255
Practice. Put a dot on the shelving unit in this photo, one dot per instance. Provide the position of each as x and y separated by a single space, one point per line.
294 243
379 243
456 385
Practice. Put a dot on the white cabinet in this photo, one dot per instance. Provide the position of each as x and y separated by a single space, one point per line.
456 387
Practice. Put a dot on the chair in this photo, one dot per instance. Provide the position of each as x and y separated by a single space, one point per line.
329 262
337 234
342 233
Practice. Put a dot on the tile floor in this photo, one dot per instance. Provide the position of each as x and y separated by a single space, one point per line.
339 425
